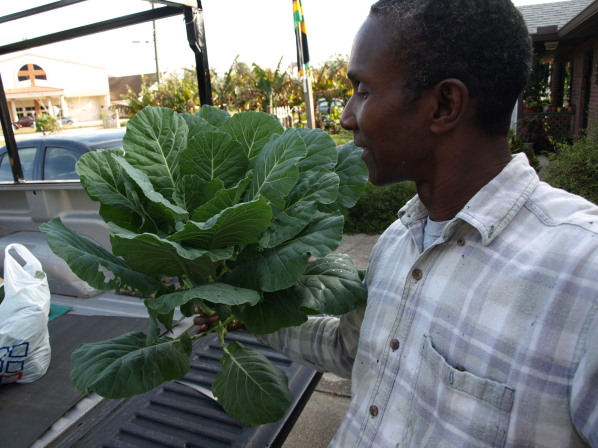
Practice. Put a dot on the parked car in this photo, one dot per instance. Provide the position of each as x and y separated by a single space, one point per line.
26 122
330 107
330 112
67 120
53 157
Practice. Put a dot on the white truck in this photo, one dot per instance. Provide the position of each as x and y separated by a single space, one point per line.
51 411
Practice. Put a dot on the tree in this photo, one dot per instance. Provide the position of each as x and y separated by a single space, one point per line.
330 81
275 87
176 92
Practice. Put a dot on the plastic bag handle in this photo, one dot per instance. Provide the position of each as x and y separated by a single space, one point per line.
31 265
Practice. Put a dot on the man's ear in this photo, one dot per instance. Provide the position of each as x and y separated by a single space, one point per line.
452 104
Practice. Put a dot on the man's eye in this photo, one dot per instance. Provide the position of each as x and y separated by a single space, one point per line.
363 94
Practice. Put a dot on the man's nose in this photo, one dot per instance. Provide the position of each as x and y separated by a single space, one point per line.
348 120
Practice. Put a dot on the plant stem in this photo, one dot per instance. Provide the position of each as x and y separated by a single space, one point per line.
220 328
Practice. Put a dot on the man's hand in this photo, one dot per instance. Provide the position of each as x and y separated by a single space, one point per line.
205 323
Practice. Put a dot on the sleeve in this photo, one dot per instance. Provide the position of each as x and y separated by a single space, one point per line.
327 344
584 391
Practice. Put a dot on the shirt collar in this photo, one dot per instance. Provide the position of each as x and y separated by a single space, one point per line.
493 207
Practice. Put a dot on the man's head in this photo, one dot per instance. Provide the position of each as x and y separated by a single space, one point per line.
483 43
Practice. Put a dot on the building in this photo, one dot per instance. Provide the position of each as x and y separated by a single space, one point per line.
120 85
36 84
565 40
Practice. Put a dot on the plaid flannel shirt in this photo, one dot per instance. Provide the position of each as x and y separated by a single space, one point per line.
488 338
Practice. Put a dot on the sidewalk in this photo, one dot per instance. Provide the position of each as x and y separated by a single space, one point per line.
330 401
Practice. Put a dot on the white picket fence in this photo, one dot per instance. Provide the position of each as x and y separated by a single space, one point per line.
284 114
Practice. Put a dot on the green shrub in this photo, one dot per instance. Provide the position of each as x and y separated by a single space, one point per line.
46 123
575 167
378 208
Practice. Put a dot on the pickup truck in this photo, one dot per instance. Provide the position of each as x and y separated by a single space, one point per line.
51 412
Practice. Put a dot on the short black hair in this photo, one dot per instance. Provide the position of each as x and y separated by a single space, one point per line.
483 43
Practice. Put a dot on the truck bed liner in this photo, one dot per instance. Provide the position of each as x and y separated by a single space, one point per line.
172 415
175 415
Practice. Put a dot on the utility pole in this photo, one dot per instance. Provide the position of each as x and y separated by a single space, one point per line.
156 50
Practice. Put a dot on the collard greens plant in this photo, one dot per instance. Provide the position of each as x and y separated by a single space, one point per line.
231 214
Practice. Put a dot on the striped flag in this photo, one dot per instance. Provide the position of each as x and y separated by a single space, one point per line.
301 38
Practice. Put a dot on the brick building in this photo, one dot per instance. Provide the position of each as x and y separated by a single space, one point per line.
565 37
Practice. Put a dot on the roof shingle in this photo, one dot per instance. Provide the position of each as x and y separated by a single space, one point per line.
547 14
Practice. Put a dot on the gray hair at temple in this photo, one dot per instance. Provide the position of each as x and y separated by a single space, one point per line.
483 43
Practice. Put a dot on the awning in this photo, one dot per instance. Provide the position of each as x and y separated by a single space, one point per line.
33 92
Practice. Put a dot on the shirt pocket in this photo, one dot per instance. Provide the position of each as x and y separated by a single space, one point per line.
452 408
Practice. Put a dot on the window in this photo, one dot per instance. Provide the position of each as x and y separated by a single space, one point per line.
31 72
59 164
27 156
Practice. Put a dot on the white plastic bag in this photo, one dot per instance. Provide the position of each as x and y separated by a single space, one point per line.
24 340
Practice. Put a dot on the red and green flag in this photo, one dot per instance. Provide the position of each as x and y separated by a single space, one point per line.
301 37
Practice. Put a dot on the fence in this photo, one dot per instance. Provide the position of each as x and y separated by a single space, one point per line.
285 115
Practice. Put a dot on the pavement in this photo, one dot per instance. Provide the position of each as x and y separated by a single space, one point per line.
329 403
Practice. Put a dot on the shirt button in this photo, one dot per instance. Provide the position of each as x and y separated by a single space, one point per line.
374 410
461 242
417 274
394 344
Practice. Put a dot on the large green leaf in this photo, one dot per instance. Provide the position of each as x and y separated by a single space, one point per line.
125 218
194 192
196 124
214 292
236 225
167 211
126 365
93 263
330 285
353 174
277 310
215 155
301 206
153 143
214 116
321 151
221 200
280 267
275 172
252 130
103 179
250 388
158 256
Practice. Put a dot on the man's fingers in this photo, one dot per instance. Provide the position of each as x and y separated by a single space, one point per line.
204 322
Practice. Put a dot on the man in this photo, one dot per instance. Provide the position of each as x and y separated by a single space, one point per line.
481 326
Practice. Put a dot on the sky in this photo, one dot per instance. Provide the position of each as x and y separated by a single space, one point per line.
259 31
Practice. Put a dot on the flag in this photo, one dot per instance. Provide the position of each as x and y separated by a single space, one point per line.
301 37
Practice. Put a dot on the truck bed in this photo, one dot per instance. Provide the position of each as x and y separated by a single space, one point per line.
50 412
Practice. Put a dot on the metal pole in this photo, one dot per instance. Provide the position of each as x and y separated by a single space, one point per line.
156 50
308 95
9 137
197 41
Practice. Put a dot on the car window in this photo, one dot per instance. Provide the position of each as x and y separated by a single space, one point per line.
59 163
27 156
